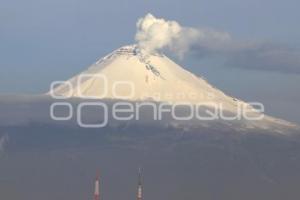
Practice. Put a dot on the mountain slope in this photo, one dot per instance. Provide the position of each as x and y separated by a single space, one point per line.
130 73
152 76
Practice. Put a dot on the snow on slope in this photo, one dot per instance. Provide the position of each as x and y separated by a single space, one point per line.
144 76
152 76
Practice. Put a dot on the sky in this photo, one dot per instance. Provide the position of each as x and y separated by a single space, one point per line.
43 41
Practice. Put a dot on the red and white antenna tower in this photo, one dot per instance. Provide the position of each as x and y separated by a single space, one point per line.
140 189
97 188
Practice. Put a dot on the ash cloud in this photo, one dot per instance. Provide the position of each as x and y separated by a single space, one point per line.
157 34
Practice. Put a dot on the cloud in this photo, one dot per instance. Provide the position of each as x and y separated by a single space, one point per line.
3 142
266 57
253 55
155 34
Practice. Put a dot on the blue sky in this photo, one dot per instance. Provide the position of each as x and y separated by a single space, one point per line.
42 41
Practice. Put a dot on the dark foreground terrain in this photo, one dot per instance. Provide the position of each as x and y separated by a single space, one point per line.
46 162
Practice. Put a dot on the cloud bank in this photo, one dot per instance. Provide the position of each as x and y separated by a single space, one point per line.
266 56
156 34
3 142
253 55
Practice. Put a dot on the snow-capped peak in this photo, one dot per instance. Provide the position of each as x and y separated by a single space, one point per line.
151 75
133 74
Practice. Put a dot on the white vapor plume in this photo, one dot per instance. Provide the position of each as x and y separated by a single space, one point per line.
155 34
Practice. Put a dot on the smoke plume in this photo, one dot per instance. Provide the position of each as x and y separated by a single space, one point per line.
154 34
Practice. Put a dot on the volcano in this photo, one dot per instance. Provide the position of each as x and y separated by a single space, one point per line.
148 76
132 74
196 159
